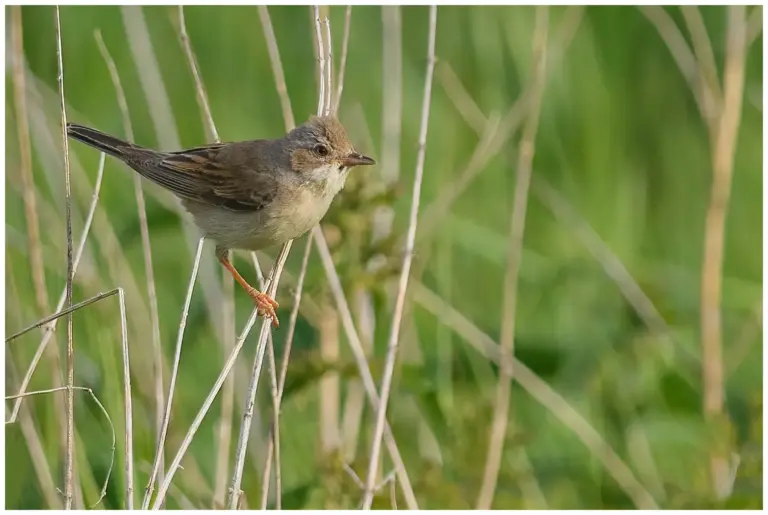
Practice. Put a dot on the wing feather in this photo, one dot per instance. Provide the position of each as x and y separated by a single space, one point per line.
202 174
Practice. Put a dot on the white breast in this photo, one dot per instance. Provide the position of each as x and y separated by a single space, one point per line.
298 211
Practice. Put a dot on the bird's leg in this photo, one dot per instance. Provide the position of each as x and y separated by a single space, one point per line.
266 305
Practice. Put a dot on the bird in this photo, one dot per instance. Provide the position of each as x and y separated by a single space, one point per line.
247 195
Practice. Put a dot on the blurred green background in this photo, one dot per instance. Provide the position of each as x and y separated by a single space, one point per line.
622 144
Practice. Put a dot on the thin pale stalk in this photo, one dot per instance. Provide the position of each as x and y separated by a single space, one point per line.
39 463
202 97
327 102
273 449
702 49
320 62
277 67
328 387
48 332
176 463
145 244
495 134
608 260
69 466
32 437
274 441
274 437
523 174
174 374
245 427
343 62
362 364
104 411
389 366
543 393
684 58
392 98
224 426
58 315
723 155
128 403
460 98
354 404
273 445
151 81
754 24
25 155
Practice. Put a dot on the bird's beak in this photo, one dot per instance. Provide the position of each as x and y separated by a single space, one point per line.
356 159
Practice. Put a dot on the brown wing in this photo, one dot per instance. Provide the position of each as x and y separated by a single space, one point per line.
202 174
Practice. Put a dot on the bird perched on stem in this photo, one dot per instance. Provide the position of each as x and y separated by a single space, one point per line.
250 194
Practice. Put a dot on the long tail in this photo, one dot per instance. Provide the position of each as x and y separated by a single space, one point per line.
97 139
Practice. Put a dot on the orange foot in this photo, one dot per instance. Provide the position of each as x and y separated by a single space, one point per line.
265 305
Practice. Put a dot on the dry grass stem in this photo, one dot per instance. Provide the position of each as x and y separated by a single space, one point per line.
723 155
39 462
495 134
362 365
202 97
69 466
702 49
245 426
684 57
274 440
328 386
542 393
320 62
175 464
328 67
31 437
150 77
392 345
49 330
392 101
343 62
224 427
523 172
104 411
277 67
354 404
460 98
25 154
127 404
754 24
145 242
56 316
160 451
151 80
273 446
607 259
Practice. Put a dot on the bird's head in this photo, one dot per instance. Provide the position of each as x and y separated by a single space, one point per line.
320 149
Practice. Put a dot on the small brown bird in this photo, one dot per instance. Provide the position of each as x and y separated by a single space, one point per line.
250 194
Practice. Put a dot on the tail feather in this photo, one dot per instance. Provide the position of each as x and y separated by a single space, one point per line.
97 139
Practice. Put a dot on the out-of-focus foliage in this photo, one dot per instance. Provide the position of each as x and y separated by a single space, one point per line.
621 140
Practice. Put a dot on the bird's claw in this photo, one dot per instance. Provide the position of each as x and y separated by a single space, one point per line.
265 305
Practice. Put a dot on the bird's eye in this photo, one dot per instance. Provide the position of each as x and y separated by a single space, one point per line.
321 150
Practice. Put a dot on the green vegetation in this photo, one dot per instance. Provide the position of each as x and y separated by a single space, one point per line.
621 141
